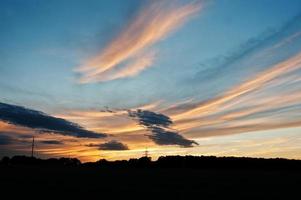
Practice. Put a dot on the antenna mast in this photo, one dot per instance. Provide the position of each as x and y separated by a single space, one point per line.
32 147
146 152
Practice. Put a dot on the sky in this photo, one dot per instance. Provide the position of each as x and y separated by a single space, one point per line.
109 79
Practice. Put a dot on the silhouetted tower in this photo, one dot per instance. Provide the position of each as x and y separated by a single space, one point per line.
146 152
32 147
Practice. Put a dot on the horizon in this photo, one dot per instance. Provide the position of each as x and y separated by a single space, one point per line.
111 79
6 159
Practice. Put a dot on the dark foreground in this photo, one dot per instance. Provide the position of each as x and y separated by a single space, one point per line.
153 180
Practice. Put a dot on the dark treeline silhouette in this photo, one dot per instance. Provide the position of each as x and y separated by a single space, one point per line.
169 177
197 162
24 160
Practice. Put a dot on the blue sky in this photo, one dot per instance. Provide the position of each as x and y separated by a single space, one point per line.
56 57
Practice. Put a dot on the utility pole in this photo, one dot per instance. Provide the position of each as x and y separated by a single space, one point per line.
32 147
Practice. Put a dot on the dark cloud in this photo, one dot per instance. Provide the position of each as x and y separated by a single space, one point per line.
92 145
51 142
165 137
23 136
14 138
159 124
40 121
108 110
6 140
148 118
111 145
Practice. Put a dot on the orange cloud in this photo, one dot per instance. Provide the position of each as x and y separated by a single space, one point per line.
259 103
152 24
136 65
234 96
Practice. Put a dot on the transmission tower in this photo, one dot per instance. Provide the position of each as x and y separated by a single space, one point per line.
146 152
32 147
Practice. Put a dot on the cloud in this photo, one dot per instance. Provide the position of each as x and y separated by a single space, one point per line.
260 103
40 121
267 64
269 40
14 139
51 142
258 88
150 119
134 67
254 84
112 145
159 124
269 99
165 137
128 54
6 140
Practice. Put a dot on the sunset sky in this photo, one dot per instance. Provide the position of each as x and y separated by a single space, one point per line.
107 79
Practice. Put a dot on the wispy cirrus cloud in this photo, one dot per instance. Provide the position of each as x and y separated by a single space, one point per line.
260 103
262 46
134 67
235 95
266 99
129 53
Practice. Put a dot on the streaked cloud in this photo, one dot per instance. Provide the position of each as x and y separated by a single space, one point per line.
261 47
112 145
42 122
234 95
267 99
150 119
129 53
134 67
52 142
159 125
5 139
162 136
